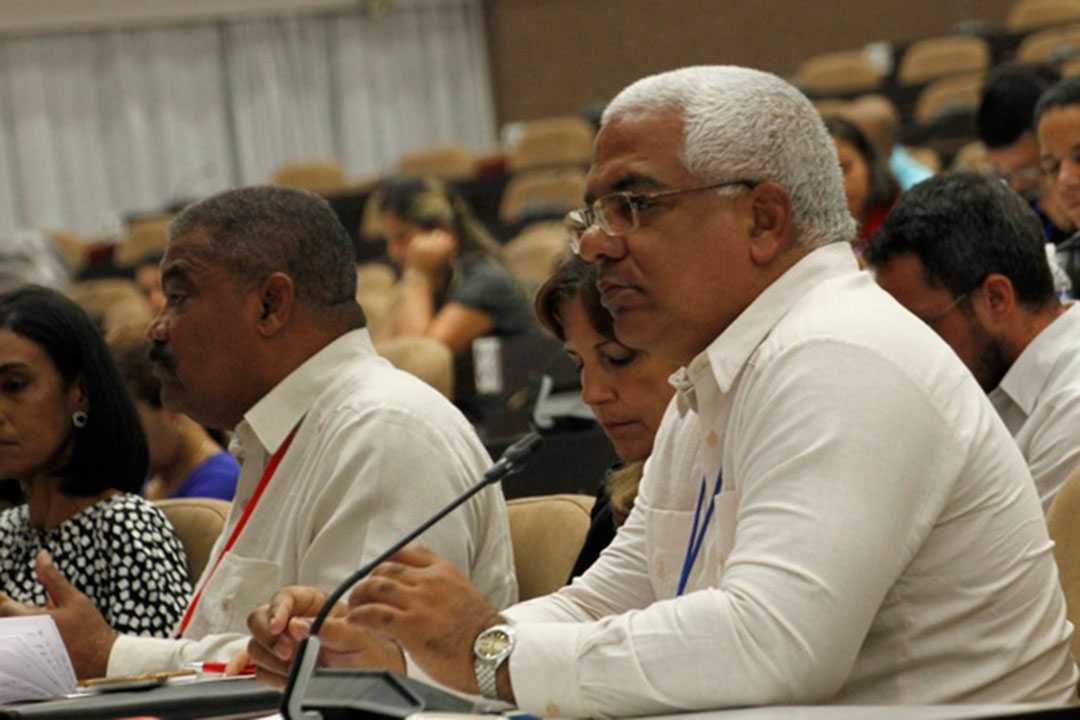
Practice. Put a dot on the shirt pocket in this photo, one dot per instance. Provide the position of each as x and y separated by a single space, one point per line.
238 586
667 535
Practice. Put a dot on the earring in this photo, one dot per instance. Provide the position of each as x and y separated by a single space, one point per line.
79 418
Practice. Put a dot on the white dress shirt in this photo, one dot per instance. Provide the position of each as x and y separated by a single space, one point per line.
1039 400
377 452
877 538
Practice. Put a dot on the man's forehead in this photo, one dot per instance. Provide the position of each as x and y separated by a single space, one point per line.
635 147
184 253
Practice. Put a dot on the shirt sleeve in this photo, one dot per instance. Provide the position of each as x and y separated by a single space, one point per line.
1054 449
835 496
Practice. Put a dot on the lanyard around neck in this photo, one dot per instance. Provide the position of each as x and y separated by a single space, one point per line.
697 538
268 472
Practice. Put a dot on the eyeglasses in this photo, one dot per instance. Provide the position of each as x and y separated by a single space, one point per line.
618 213
934 319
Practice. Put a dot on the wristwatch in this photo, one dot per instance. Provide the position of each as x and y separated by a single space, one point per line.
490 650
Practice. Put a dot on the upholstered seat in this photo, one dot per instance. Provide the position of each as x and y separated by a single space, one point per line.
548 532
198 522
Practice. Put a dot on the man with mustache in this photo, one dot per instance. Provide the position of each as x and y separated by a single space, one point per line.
965 254
341 453
832 513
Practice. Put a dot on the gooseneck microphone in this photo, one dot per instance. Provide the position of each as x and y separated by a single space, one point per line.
307 652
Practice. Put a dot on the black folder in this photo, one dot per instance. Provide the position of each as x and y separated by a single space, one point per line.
211 698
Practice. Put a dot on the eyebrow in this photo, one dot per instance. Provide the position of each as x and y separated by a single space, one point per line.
17 365
625 184
174 272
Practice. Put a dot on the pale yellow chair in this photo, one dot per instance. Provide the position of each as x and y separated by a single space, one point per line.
838 72
534 254
448 162
561 189
956 93
934 58
1031 14
547 532
971 157
424 357
146 238
1049 45
551 142
1064 523
198 522
324 176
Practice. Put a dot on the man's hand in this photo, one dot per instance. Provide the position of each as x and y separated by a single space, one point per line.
87 636
278 627
430 609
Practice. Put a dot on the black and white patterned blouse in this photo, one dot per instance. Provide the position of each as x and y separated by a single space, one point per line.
122 552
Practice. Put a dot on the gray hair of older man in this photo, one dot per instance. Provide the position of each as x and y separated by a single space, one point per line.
743 123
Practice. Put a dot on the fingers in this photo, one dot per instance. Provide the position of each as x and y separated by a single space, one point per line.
267 660
236 665
296 600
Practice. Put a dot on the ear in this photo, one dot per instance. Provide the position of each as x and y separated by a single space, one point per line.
994 301
277 299
78 397
771 229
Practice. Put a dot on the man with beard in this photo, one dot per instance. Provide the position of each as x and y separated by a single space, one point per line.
965 254
342 454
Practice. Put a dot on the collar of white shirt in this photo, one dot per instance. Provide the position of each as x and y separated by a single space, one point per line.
1027 377
272 418
726 356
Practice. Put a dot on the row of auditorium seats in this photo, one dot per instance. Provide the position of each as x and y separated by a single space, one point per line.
547 533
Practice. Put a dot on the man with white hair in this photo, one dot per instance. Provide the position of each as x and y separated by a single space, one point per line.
832 513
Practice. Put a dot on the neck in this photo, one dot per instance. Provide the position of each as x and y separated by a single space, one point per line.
48 507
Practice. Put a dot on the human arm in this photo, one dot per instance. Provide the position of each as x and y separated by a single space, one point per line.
1053 449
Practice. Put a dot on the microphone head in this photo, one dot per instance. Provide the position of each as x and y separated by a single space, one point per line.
520 451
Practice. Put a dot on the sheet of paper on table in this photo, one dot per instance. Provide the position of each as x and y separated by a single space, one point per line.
34 664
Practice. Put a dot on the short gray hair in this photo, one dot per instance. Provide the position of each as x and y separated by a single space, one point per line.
257 231
743 123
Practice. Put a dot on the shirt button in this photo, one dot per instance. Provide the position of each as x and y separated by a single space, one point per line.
552 710
225 604
660 568
712 439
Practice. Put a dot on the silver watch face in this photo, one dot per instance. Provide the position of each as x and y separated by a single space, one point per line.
492 643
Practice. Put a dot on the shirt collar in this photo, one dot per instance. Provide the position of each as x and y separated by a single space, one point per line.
273 417
1026 378
725 357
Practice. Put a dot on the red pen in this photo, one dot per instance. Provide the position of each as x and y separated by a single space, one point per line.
219 667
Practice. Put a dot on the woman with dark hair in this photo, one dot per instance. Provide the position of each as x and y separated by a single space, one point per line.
627 390
453 287
70 436
869 184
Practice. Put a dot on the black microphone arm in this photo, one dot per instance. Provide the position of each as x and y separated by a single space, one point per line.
307 652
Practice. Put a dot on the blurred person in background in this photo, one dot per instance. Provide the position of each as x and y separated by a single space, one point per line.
869 185
70 436
453 286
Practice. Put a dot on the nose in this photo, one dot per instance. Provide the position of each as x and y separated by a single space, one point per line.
595 244
1069 173
596 388
157 329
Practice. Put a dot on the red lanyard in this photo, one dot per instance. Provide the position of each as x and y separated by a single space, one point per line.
268 472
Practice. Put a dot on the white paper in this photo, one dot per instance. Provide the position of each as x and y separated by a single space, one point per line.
33 661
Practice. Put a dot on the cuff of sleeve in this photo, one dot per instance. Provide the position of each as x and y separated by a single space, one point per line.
544 670
132 654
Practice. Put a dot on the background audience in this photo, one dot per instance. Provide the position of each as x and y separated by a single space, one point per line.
453 287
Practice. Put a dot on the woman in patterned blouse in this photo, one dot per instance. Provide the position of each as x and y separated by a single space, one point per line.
70 436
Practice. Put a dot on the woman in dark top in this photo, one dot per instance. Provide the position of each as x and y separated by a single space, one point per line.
70 436
627 390
453 287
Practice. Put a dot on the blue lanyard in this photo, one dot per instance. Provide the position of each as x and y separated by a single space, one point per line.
696 538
